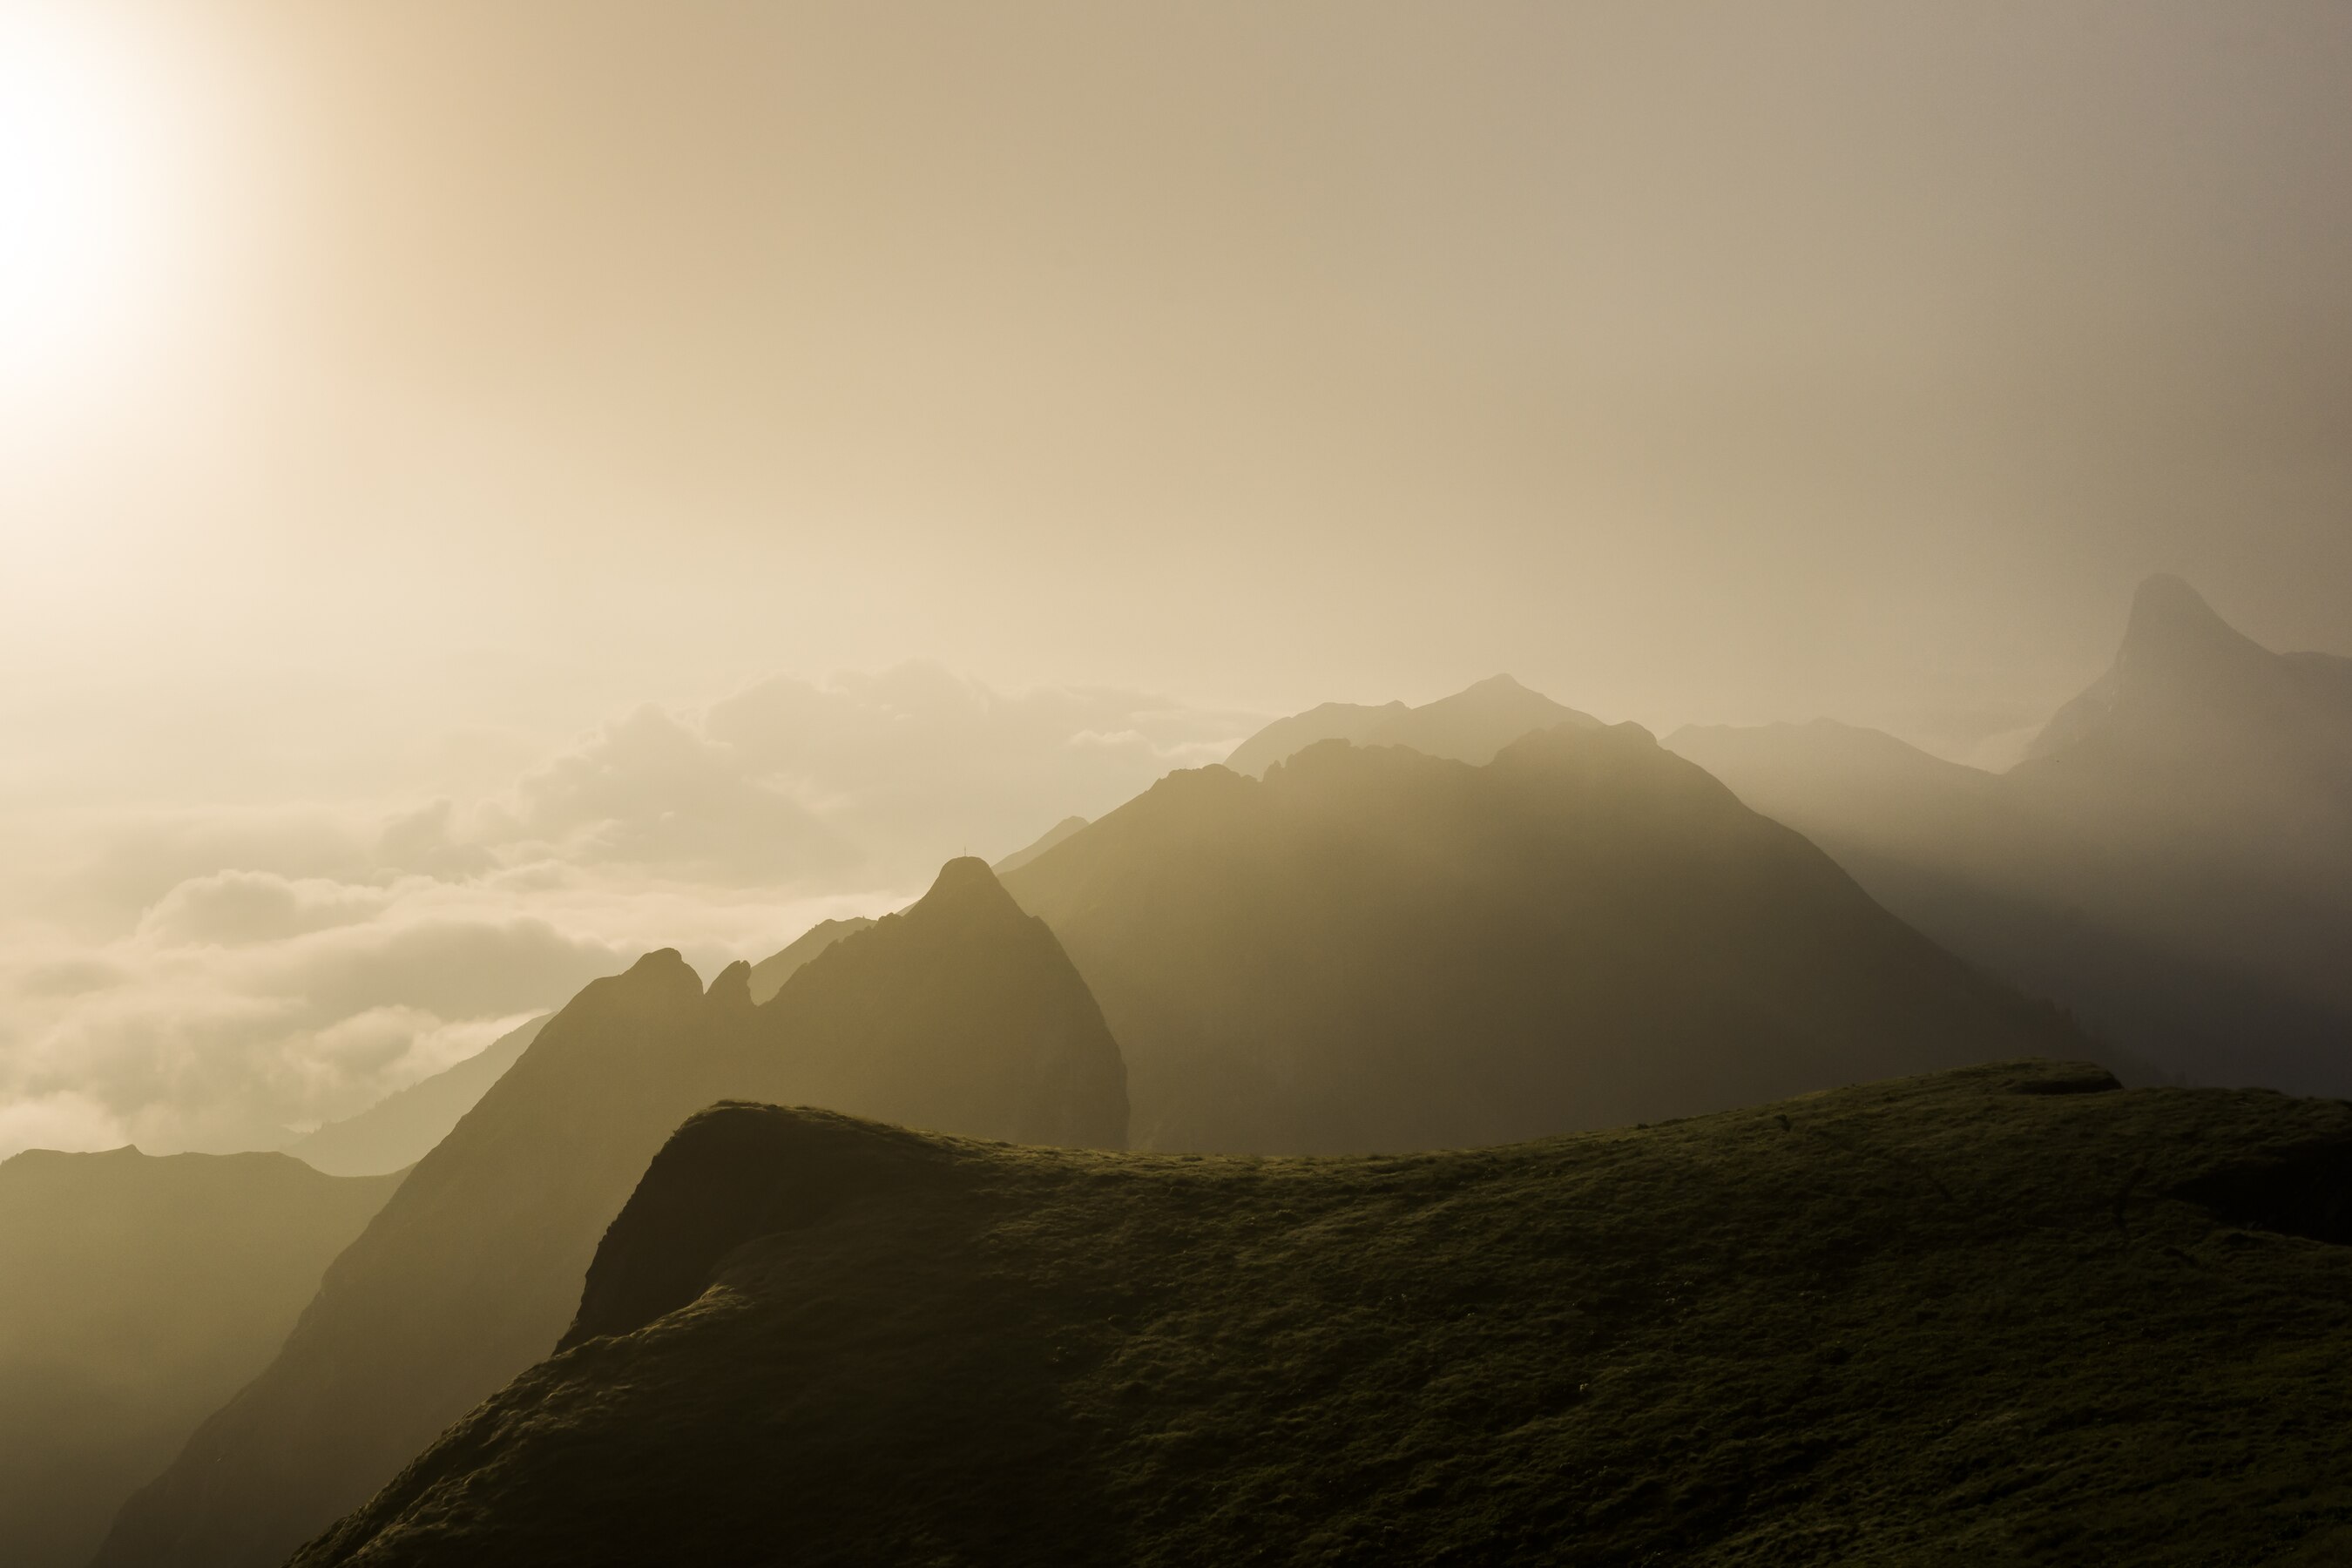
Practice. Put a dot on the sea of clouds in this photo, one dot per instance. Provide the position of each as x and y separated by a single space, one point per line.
216 979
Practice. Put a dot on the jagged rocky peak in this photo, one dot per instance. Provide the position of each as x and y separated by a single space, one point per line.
2179 658
2172 626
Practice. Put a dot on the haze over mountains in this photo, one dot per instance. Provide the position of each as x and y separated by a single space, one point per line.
961 1014
1470 726
2173 859
263 951
2012 1314
1382 929
1373 949
401 1127
136 1294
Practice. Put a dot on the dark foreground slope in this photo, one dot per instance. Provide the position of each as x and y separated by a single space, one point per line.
2173 860
136 1293
1376 950
960 1014
2005 1315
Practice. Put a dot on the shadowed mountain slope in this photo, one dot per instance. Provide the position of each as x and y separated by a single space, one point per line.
1470 726
400 1129
1373 949
960 1014
137 1293
2008 1315
2173 859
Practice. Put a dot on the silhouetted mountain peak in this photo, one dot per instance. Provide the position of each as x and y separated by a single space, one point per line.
964 889
2172 627
664 967
2181 668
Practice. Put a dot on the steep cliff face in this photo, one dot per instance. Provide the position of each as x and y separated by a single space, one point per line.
2010 1314
1375 949
960 1014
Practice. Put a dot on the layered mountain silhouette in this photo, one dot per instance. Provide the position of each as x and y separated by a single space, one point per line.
2173 858
1470 726
1044 841
136 1293
400 1129
2009 1314
767 975
960 1014
1376 949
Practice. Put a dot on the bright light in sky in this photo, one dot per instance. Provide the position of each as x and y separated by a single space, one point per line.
86 189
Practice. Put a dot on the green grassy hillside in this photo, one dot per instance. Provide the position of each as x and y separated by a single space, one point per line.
2009 1314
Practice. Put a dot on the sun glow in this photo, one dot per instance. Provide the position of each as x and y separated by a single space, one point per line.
87 184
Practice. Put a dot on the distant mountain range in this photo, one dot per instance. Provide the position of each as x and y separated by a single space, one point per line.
1376 949
136 1294
1380 929
1470 726
960 1014
2173 859
2007 1315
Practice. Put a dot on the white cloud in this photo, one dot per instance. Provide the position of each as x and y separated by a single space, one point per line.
222 979
650 791
236 908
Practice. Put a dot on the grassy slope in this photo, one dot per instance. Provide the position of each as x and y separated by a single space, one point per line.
1933 1320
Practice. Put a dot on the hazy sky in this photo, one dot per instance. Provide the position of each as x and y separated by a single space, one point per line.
395 398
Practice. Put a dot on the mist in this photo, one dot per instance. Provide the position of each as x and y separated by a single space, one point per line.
1628 601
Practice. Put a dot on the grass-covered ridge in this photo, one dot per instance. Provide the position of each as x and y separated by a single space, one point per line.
2007 1314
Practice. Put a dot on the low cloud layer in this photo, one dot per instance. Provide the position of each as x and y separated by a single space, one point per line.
223 980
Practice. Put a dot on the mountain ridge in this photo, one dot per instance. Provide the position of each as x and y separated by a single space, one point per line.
1470 726
960 1012
2011 1314
1376 949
